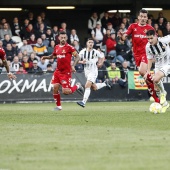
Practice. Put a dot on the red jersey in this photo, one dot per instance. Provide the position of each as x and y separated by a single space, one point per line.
64 55
2 54
139 39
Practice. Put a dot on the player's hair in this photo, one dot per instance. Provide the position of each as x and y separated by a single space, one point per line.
62 32
90 39
150 32
143 11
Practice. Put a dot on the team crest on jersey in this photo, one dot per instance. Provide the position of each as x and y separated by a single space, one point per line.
135 29
63 51
145 30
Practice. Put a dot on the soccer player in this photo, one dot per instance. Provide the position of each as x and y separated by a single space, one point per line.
63 52
158 51
5 64
139 41
89 57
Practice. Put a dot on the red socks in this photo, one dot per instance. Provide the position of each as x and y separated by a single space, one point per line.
151 89
74 88
57 98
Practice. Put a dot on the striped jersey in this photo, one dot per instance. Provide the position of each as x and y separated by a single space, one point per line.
91 58
160 52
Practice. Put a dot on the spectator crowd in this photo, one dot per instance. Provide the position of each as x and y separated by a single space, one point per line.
25 42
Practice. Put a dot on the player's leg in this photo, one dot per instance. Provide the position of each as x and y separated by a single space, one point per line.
149 81
65 80
86 93
57 97
56 94
97 86
157 80
91 79
165 106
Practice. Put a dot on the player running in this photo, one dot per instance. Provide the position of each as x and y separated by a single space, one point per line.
62 75
5 64
139 41
158 51
89 57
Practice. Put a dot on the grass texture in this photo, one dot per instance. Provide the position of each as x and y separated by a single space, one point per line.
101 136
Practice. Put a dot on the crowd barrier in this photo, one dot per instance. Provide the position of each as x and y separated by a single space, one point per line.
31 87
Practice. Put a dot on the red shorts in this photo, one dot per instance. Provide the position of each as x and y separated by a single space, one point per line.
140 58
62 78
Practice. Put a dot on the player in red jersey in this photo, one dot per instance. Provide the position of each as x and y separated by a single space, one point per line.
62 75
139 41
5 64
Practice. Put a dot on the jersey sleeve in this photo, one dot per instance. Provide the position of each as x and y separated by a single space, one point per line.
148 54
129 30
72 49
2 54
98 54
165 39
54 52
81 54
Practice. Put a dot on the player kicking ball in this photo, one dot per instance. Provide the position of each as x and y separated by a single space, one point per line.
89 58
158 51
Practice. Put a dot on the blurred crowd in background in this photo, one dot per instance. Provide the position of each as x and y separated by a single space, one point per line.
26 41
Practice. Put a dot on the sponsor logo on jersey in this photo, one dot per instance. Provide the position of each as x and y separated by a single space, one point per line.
61 56
139 36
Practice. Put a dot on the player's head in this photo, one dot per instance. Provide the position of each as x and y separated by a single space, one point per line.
90 43
143 17
152 37
62 37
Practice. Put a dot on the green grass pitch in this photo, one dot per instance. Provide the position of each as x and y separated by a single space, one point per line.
101 136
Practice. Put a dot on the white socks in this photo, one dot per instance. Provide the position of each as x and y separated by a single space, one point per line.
88 91
161 86
86 95
100 85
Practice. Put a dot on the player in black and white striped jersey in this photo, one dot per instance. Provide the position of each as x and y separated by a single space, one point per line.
158 50
89 57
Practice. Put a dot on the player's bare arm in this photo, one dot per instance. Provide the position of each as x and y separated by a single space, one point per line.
9 74
82 62
76 60
165 39
48 57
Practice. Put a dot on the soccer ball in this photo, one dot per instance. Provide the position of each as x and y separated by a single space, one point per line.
155 108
